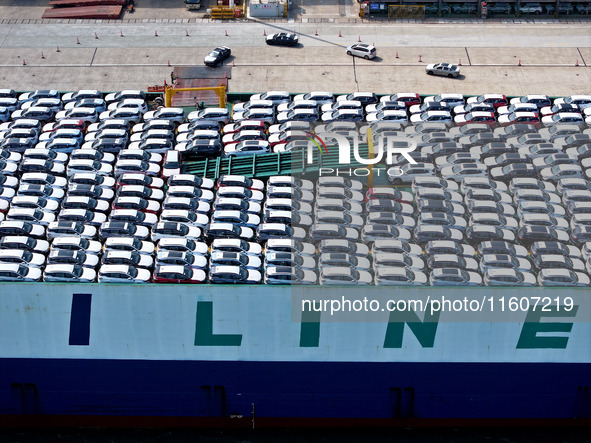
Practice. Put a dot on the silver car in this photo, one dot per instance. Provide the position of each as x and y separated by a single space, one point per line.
443 69
338 275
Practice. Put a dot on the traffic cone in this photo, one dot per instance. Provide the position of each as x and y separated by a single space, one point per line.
165 84
155 33
95 36
226 32
397 54
42 55
225 74
460 62
57 49
264 33
577 62
77 41
340 35
420 59
168 62
519 62
121 33
24 62
186 33
316 32
358 38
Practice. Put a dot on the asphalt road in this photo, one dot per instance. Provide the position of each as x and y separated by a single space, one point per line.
490 54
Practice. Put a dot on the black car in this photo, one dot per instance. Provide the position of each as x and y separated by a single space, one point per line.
465 8
504 132
495 149
500 8
200 149
18 145
282 39
217 56
112 145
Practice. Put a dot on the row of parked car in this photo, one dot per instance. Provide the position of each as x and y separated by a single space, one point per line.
295 211
535 8
97 194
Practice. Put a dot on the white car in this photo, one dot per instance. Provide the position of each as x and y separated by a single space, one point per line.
21 256
562 277
130 103
237 245
189 218
89 115
263 114
454 277
24 242
451 99
30 215
388 259
81 94
68 273
131 258
28 201
517 107
399 277
246 148
508 277
123 274
122 95
504 261
493 219
362 50
129 244
252 104
171 229
214 114
432 116
458 172
182 258
387 115
133 216
555 173
321 97
136 166
530 183
131 115
573 118
176 115
435 261
75 166
76 244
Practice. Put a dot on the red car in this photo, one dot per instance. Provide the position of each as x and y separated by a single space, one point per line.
496 100
487 118
65 124
409 98
387 193
178 274
531 118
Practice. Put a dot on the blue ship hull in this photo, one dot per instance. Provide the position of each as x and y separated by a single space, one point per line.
104 392
116 355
